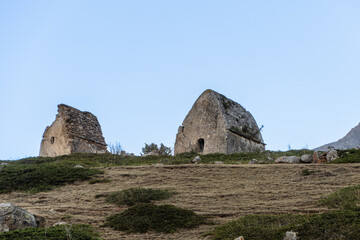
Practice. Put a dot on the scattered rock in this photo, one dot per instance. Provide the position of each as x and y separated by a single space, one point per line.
291 159
124 153
53 211
253 161
290 236
218 162
332 155
153 153
4 163
197 159
306 158
59 224
13 217
240 238
78 166
158 164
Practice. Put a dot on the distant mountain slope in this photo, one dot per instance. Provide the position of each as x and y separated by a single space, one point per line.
351 140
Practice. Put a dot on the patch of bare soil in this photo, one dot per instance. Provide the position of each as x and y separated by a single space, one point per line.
222 192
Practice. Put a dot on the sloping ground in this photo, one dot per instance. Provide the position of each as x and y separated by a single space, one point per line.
351 140
223 192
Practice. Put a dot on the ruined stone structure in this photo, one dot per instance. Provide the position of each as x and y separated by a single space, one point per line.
72 131
216 124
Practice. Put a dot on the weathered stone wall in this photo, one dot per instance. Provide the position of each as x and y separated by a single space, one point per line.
236 143
220 125
202 122
72 131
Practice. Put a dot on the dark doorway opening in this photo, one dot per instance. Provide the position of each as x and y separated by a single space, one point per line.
201 144
52 140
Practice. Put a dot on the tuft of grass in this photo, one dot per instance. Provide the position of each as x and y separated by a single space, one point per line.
42 177
63 232
97 180
134 196
330 225
146 217
307 172
346 198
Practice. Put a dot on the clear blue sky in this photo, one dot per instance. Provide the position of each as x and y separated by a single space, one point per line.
140 65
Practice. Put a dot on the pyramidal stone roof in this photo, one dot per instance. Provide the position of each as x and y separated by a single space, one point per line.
81 124
237 119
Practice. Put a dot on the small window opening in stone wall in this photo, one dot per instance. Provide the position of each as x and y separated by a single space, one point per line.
52 140
201 144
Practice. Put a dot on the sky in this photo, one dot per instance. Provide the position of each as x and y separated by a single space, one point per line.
140 65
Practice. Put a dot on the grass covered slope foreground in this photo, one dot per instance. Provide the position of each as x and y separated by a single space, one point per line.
221 192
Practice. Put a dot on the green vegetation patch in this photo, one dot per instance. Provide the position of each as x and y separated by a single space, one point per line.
257 227
346 198
348 156
97 160
324 226
337 224
146 217
134 196
42 177
331 225
64 232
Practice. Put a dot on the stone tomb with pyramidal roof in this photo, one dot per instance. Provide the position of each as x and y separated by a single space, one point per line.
216 124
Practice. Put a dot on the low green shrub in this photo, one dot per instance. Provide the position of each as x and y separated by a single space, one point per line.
134 196
64 232
257 227
346 198
330 225
338 224
146 217
348 156
42 177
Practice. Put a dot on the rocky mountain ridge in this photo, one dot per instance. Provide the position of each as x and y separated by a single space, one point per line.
351 140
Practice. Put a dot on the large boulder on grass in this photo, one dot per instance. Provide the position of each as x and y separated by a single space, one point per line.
306 158
291 159
13 217
332 155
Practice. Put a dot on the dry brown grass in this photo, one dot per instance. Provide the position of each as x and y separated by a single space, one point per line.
223 192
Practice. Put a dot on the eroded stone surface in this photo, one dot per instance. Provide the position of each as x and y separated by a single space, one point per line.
72 131
13 217
216 124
